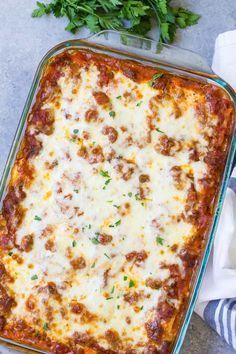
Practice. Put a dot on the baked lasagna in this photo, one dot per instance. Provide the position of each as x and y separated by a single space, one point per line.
110 200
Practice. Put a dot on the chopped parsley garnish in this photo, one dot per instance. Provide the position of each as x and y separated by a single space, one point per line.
76 190
154 78
131 283
118 307
109 201
10 253
37 218
106 255
74 243
113 289
108 181
159 240
130 194
137 196
95 241
141 308
93 265
125 277
112 114
118 222
159 131
139 103
45 326
89 226
34 277
75 131
109 298
118 97
104 174
116 206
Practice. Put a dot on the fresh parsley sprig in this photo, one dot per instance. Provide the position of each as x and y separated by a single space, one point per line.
98 15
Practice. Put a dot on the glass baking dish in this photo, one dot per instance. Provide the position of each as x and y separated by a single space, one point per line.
148 52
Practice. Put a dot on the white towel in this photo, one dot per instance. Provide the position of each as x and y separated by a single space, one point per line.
217 298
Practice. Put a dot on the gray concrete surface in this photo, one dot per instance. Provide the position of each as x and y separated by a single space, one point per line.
23 42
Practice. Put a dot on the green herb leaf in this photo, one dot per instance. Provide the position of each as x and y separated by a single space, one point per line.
45 327
118 97
125 277
75 131
76 191
159 240
109 298
112 114
113 289
139 103
10 253
95 241
118 307
73 243
118 222
98 15
93 265
37 218
130 194
131 283
34 277
154 78
159 130
104 174
106 255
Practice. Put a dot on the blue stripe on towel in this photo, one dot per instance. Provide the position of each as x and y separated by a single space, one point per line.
221 316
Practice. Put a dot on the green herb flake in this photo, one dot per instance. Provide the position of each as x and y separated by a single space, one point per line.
106 255
141 308
116 206
130 194
34 277
113 289
131 283
118 222
75 131
109 201
137 196
89 226
76 191
104 174
93 265
139 103
118 307
112 114
118 97
45 327
37 218
159 240
73 243
109 298
95 241
108 181
125 277
159 131
154 78
10 253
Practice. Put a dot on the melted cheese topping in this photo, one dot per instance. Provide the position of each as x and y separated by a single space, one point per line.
71 202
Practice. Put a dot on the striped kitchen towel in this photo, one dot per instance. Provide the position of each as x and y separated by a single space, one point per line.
217 298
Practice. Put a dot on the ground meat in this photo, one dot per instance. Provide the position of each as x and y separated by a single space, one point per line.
2 323
76 307
132 297
101 98
153 283
165 311
82 152
113 338
91 115
104 239
30 303
136 257
50 246
43 120
6 302
105 75
3 271
144 178
130 73
111 133
78 263
168 146
27 243
96 155
154 330
105 277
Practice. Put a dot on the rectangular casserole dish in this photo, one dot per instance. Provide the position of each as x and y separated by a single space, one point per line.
145 52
